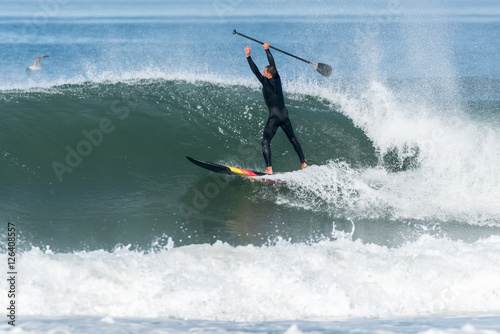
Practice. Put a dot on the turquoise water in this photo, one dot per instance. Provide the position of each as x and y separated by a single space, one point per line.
393 227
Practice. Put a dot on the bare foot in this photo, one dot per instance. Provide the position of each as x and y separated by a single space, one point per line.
269 170
304 165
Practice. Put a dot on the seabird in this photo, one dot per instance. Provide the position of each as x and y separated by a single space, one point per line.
36 65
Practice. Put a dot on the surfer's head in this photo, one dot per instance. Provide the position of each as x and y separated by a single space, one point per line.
270 71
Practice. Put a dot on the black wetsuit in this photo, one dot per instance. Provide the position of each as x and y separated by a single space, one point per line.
278 114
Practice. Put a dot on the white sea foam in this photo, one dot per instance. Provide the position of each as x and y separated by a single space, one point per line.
455 177
283 281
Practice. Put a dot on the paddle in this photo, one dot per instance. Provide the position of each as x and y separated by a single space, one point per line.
323 69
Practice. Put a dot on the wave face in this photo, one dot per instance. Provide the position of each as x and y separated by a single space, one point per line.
79 126
398 214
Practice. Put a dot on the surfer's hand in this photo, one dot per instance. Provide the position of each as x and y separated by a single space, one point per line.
247 51
265 45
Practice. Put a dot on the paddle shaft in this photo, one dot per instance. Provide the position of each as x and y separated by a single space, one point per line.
272 47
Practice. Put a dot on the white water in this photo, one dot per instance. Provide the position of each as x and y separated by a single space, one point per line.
457 176
326 280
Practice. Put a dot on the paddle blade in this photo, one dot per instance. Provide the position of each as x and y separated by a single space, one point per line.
323 69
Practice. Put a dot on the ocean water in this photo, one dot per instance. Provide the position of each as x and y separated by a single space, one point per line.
394 227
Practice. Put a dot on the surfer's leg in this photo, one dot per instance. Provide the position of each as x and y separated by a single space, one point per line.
287 127
269 132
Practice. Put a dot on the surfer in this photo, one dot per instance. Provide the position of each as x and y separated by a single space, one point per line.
278 114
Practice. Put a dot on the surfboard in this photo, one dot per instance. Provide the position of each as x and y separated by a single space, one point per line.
223 169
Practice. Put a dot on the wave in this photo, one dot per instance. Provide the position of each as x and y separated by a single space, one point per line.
378 152
280 281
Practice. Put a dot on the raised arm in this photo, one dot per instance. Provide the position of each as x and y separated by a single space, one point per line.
254 68
269 55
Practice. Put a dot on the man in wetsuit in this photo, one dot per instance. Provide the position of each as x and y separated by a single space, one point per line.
278 114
